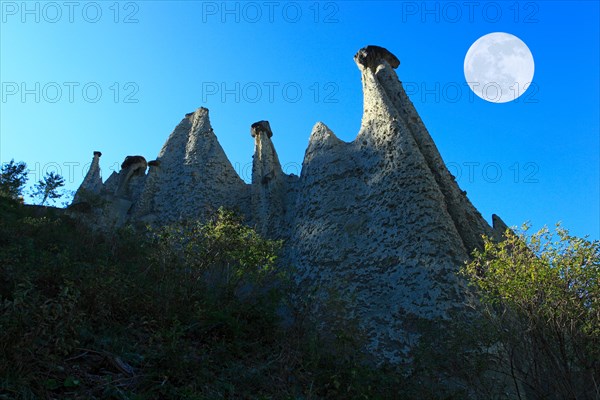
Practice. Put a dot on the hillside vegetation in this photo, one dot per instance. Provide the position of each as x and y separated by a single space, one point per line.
207 311
189 312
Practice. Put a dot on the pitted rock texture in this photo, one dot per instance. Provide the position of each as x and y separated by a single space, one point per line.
379 220
191 177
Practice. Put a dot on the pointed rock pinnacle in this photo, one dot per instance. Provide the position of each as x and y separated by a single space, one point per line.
92 183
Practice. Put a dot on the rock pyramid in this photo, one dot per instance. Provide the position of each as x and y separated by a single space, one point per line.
380 220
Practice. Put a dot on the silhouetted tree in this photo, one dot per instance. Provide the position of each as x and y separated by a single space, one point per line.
47 188
12 179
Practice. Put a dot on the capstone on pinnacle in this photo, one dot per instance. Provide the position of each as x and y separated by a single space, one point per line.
132 160
261 126
371 56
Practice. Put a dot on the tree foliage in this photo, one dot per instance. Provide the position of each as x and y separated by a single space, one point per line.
540 293
47 188
12 179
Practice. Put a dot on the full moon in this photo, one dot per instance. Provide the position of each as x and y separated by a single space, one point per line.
499 67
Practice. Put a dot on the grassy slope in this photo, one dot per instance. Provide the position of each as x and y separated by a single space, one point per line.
82 316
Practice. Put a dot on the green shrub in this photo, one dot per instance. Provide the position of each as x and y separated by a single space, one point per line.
540 295
188 311
192 311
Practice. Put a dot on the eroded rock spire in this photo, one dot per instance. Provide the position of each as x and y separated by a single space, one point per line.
268 182
191 176
92 183
380 220
385 97
384 214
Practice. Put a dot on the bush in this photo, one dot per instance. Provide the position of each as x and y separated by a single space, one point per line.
540 295
222 256
192 311
185 312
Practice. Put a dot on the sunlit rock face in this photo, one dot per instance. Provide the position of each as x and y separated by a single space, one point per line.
380 220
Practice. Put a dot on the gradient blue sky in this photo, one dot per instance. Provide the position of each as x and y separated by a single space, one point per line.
167 59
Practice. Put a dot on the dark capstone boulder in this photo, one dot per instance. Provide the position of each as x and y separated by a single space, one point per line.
261 126
138 161
371 57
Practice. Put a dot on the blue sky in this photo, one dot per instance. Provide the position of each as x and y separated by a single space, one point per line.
118 76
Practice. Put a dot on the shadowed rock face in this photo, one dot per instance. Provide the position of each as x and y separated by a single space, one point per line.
379 220
272 192
92 183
